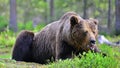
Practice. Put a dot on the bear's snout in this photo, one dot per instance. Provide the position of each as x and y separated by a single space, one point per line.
92 41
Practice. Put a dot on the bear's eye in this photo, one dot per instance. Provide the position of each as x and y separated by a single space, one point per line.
93 32
86 32
80 26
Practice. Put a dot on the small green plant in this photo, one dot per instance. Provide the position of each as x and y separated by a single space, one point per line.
29 26
25 26
39 27
3 23
2 65
7 39
88 60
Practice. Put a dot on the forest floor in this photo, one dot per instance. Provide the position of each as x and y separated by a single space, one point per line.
6 62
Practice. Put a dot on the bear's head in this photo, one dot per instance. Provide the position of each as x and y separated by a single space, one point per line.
84 33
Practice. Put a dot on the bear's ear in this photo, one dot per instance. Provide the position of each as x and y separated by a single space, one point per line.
73 20
94 20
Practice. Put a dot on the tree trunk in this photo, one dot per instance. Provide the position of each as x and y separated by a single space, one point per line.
109 15
13 16
46 13
85 15
51 10
117 24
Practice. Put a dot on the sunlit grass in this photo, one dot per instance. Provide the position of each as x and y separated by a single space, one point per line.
5 56
91 60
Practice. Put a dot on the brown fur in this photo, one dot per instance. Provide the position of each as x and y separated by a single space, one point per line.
22 47
93 25
60 39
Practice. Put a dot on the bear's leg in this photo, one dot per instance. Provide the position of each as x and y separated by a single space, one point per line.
64 51
22 47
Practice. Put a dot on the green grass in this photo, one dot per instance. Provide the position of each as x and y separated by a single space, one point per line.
91 60
7 38
5 56
5 52
7 63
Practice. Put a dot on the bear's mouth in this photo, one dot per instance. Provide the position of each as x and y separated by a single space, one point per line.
92 47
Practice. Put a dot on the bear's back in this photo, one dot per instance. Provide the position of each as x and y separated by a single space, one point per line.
45 41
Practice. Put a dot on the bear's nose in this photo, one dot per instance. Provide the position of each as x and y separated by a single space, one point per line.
92 41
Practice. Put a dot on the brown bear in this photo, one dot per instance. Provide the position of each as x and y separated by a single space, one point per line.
58 40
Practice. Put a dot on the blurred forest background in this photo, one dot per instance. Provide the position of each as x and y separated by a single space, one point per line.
16 15
33 15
